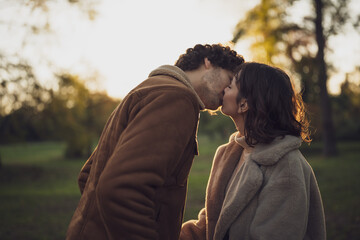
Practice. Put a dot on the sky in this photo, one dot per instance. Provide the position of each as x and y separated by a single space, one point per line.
130 38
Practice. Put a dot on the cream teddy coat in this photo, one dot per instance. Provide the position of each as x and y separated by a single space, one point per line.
274 195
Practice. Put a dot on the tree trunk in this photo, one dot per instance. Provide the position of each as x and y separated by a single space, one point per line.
329 140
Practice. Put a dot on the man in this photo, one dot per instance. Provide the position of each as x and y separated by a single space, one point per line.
134 184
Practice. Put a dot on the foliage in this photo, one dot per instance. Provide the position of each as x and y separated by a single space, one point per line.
72 113
18 86
347 108
19 83
300 47
282 41
266 25
215 126
33 111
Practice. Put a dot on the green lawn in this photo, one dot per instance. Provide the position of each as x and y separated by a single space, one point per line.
38 188
38 191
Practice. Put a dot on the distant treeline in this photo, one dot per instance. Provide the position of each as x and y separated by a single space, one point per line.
346 116
72 113
77 116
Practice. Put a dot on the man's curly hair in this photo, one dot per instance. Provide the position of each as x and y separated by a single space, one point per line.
217 54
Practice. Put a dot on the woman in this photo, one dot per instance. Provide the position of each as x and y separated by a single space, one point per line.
261 186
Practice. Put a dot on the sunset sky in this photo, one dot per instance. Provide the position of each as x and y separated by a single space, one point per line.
129 38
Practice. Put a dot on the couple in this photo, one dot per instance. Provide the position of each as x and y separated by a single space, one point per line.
134 184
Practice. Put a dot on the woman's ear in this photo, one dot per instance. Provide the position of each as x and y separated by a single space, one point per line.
243 106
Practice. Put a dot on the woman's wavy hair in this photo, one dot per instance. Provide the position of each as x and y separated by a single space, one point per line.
274 107
217 54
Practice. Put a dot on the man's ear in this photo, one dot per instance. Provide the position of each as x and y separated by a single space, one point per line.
207 63
243 106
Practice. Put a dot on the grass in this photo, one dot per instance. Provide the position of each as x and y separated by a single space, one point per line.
338 179
38 191
38 188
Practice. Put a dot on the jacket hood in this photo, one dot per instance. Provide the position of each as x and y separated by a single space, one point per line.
178 74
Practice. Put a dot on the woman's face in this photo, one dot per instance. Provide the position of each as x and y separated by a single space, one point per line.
230 106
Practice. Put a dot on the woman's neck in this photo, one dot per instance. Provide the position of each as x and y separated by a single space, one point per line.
239 121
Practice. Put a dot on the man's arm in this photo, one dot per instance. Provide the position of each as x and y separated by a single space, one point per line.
149 147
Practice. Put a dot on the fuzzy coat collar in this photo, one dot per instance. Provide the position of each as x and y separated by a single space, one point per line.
178 74
269 154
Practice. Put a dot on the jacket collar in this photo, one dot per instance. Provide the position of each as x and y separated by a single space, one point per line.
178 74
269 154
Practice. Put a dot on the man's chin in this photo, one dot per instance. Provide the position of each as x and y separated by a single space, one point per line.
214 106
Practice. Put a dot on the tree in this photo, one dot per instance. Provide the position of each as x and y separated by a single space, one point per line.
77 114
71 113
298 47
325 105
18 75
18 86
27 107
347 107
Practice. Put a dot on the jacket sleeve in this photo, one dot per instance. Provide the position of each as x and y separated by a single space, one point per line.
282 210
149 148
194 229
84 174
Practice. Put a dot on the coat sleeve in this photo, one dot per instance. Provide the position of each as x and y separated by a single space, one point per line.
282 210
147 151
84 175
200 228
194 229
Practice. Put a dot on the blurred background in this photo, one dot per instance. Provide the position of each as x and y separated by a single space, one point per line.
65 65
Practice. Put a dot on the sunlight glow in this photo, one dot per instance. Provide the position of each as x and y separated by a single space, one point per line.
129 38
133 41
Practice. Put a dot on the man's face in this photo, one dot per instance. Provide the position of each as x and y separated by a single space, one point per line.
214 83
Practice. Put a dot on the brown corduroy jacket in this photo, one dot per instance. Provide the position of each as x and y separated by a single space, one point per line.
134 184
